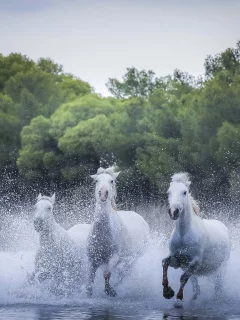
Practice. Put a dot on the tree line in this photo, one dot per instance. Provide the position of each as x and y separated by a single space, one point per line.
53 127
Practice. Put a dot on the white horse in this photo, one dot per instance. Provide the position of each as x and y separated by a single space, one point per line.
115 236
198 246
61 253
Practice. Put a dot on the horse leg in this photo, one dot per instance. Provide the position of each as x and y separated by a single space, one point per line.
195 286
193 266
91 277
218 283
107 274
125 268
168 292
219 277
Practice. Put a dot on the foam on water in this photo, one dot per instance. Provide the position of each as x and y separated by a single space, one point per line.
140 289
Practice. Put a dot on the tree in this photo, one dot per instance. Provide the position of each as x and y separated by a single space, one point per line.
28 90
9 131
11 65
228 137
68 115
38 156
49 66
157 160
73 88
135 84
152 127
229 60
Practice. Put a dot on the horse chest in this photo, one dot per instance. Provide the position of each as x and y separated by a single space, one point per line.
101 245
184 246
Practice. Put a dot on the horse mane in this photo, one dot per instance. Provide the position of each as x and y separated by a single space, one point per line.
195 205
182 177
44 198
185 179
110 171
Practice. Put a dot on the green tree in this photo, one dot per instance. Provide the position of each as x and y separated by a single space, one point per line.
38 157
49 66
135 84
228 153
229 60
11 65
9 130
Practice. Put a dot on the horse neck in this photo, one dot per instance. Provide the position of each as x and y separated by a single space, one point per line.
184 222
48 238
103 212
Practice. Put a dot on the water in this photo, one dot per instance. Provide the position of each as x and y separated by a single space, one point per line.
101 313
139 295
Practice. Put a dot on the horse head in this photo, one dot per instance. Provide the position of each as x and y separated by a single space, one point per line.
105 190
179 195
43 213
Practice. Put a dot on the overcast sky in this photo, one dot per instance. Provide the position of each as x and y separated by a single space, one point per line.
98 39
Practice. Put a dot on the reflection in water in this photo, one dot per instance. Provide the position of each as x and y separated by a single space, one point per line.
29 312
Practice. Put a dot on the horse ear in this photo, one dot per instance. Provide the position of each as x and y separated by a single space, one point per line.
94 176
115 174
53 197
39 196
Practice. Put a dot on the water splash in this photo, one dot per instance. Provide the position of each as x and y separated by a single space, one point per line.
141 287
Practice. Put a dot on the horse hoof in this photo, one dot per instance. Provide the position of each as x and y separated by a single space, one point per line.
168 292
110 292
179 295
89 292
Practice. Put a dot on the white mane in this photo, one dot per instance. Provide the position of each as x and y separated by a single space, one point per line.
195 205
184 178
110 170
44 198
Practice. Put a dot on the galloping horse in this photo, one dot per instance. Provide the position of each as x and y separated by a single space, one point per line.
198 246
115 235
60 253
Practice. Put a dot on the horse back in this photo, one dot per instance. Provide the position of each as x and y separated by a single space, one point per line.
136 227
218 242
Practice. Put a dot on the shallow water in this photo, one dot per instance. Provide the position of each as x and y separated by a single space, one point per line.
139 296
39 312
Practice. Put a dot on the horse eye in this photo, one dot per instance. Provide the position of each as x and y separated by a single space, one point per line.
185 192
111 181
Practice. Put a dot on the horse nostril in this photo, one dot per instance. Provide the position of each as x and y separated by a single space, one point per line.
173 213
106 193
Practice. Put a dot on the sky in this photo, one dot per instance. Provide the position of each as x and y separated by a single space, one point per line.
98 39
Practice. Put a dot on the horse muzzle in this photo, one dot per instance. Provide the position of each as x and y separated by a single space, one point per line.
103 195
174 213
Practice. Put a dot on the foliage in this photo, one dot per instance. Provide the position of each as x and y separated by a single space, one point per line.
135 84
152 126
28 90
